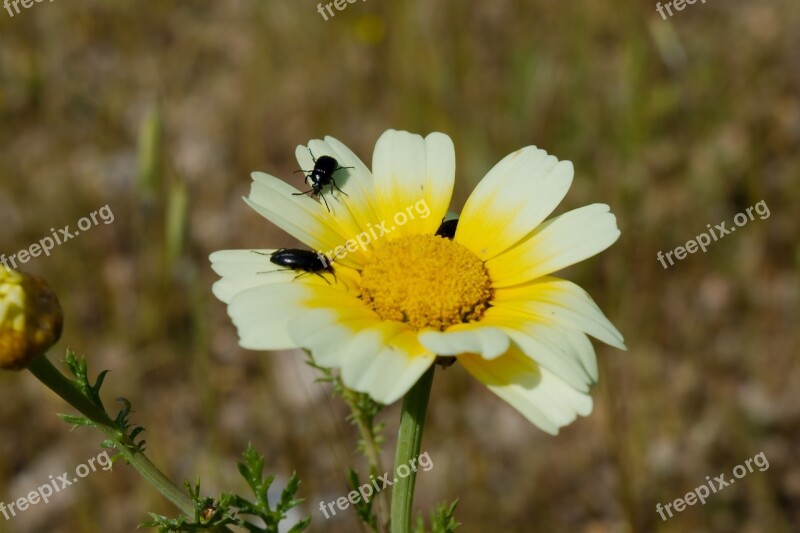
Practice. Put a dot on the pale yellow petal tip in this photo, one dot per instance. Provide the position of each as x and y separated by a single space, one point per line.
617 336
488 342
31 318
439 139
399 135
258 175
580 411
437 136
616 340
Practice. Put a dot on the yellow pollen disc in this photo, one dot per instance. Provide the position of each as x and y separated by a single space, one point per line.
426 281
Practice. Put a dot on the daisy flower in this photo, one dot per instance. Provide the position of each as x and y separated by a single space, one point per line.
404 296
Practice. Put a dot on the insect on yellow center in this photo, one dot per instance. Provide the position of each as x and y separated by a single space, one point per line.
426 281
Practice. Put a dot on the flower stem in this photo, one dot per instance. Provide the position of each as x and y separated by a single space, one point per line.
48 374
409 439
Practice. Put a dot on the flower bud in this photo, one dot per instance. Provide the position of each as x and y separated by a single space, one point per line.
30 318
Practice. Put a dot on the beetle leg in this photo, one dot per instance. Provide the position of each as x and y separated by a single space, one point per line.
323 277
326 202
337 187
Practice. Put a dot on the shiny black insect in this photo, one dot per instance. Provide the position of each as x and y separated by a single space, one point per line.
445 361
306 261
321 176
447 229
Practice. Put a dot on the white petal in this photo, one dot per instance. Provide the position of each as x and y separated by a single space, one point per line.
327 341
262 315
512 200
414 180
388 375
583 347
489 342
382 359
546 344
535 392
556 244
561 302
552 356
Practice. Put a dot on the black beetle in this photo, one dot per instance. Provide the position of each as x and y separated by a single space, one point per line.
306 261
447 229
321 176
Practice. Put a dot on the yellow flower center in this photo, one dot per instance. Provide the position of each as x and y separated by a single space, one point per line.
426 281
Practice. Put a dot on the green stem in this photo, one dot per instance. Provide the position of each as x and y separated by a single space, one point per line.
45 372
409 439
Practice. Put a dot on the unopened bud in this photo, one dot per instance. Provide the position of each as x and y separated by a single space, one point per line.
30 318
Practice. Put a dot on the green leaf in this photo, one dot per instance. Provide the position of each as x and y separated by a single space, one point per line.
363 509
229 509
442 519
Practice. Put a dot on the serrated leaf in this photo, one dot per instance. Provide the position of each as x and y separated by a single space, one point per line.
301 526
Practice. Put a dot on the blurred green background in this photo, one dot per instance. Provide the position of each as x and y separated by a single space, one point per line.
161 111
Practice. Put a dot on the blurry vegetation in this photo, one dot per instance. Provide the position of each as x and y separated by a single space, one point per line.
162 112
